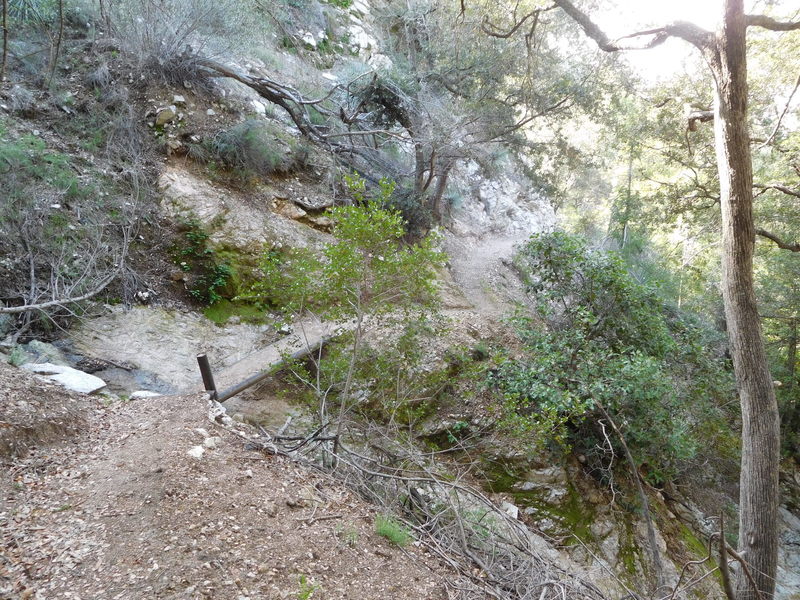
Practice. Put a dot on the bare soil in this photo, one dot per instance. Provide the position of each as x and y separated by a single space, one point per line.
123 511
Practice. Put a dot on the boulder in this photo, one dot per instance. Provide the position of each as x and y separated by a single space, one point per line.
314 203
72 379
288 210
44 352
166 115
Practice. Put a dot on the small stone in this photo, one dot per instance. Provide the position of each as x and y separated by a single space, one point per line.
511 510
211 112
196 452
178 99
248 473
212 442
141 394
285 329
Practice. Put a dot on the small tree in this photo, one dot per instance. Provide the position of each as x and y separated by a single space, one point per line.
365 276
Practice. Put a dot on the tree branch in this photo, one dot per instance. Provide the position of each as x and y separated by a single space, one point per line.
703 116
770 23
777 186
783 114
681 29
792 247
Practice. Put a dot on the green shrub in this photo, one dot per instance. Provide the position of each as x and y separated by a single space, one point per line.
193 254
256 148
599 338
394 531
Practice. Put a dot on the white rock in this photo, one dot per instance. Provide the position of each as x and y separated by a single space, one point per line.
202 432
70 378
258 107
309 39
178 99
211 112
140 394
511 510
212 442
196 452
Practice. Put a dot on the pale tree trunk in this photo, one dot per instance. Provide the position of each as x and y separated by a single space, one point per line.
758 496
726 53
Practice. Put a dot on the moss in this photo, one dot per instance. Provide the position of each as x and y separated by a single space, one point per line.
628 550
221 311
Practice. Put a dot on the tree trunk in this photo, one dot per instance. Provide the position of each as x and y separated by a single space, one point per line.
758 496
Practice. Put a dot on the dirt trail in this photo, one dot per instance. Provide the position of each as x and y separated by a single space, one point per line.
480 267
126 512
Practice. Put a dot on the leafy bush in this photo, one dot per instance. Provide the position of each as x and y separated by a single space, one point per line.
368 272
193 254
599 340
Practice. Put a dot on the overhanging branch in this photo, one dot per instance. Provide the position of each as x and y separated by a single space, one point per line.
792 247
770 23
681 29
779 187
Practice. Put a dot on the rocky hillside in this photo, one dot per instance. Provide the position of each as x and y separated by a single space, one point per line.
174 180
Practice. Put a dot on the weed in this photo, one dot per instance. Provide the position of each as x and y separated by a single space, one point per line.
17 357
394 531
195 255
307 588
348 535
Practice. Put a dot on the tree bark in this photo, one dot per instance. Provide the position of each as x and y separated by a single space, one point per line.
758 496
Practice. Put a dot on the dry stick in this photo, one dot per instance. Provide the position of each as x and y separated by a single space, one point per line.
692 563
56 50
723 561
5 42
651 532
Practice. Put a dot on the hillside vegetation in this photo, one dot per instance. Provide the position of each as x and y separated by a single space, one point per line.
529 315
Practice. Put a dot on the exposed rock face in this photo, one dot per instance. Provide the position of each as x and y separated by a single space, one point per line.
233 221
166 343
501 205
72 379
788 586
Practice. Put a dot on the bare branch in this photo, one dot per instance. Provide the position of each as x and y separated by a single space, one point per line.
494 31
60 301
783 114
792 247
770 23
